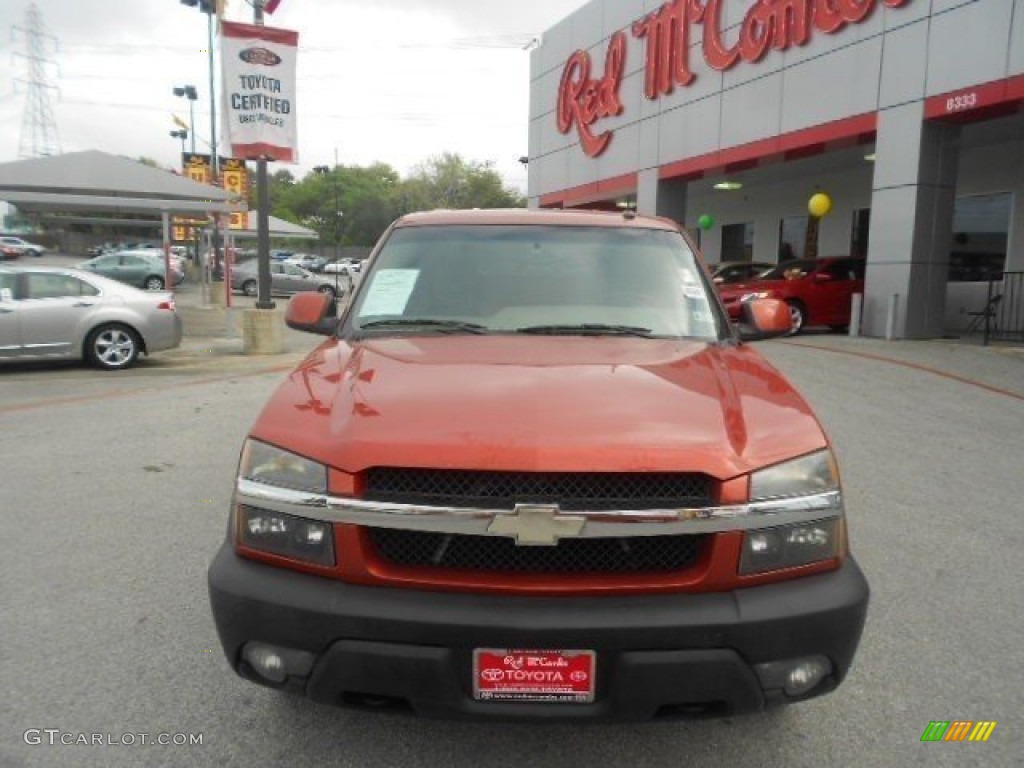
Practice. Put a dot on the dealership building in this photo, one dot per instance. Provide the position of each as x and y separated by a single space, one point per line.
907 114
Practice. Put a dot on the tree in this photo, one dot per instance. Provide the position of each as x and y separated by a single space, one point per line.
449 181
353 205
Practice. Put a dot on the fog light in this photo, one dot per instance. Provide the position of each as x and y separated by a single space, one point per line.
795 676
277 664
266 661
805 675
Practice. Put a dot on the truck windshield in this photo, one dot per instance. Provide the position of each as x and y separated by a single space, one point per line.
551 280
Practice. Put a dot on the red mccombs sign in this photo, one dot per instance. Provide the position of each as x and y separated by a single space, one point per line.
583 98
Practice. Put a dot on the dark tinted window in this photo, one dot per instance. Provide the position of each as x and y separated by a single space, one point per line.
738 241
981 226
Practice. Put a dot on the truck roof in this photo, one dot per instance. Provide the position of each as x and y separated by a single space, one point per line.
546 217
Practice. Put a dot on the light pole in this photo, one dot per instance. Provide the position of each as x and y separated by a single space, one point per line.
262 202
189 92
323 170
182 134
209 7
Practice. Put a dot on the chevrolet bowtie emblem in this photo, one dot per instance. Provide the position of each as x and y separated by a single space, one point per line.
537 525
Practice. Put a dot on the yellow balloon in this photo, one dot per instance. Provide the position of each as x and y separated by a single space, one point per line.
819 205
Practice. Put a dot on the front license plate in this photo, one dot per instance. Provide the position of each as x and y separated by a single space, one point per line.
517 675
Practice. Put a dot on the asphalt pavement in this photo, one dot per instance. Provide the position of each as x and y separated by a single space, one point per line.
115 495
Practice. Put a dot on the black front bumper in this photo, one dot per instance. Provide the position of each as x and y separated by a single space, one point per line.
685 654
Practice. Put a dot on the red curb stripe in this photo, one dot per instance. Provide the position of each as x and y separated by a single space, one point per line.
117 393
913 366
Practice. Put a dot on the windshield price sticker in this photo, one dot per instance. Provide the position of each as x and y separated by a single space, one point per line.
517 675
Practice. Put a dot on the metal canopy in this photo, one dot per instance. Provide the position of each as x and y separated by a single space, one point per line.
97 181
279 229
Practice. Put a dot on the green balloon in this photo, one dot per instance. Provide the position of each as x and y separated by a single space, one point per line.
706 221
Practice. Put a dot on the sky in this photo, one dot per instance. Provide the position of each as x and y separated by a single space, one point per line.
395 81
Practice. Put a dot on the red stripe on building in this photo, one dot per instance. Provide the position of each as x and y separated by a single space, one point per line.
788 146
586 193
977 101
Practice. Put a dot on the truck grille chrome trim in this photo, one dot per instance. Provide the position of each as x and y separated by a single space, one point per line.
600 524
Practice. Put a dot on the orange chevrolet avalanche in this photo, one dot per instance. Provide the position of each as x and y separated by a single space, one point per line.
534 473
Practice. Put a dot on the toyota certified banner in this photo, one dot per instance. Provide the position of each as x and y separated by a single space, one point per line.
258 65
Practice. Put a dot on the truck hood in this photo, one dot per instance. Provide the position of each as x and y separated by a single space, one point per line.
539 403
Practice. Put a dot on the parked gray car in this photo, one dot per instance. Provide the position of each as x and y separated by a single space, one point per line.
285 279
139 268
53 313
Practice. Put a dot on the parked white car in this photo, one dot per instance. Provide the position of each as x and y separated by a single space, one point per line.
348 267
24 247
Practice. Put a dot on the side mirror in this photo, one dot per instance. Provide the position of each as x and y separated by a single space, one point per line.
764 319
313 312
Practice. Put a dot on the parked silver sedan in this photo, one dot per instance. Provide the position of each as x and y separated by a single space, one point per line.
285 279
53 313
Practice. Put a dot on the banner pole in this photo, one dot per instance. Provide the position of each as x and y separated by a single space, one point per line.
262 209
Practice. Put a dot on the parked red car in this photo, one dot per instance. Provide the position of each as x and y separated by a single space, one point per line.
818 291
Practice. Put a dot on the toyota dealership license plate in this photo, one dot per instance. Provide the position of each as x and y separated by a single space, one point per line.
511 675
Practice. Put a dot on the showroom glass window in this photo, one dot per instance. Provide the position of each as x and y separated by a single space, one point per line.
859 232
798 238
738 242
981 225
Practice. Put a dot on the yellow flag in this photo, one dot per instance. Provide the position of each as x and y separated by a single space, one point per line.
179 122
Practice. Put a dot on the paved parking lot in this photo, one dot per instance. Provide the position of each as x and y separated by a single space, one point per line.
116 490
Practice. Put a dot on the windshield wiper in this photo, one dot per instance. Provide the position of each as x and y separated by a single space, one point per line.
587 329
454 326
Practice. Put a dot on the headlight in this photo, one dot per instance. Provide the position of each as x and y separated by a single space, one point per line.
789 546
286 535
808 475
756 295
266 464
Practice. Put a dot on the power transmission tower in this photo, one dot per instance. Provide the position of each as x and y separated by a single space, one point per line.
38 128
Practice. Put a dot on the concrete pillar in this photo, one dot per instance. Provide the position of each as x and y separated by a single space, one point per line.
262 331
655 197
217 295
912 200
647 189
672 200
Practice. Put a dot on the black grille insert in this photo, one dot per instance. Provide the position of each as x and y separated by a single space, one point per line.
570 490
635 554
